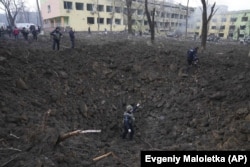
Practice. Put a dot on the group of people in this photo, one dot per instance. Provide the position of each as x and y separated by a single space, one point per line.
24 31
56 34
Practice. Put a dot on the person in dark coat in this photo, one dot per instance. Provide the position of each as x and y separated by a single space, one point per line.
25 33
192 57
72 38
56 34
128 121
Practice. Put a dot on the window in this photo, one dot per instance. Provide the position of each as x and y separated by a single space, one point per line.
118 10
233 19
100 8
222 27
90 7
67 5
214 20
223 19
79 6
118 21
197 27
125 11
221 35
242 27
100 20
241 36
213 27
198 20
244 19
232 28
230 35
109 8
145 22
139 12
109 21
49 9
162 14
90 20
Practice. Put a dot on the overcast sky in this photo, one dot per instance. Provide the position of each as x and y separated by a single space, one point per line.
232 4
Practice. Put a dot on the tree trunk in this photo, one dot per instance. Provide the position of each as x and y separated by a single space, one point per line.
129 15
204 25
40 16
187 18
151 23
205 21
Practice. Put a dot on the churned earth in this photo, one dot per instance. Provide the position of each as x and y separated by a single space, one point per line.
45 94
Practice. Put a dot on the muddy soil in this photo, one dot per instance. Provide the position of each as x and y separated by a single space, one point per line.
45 94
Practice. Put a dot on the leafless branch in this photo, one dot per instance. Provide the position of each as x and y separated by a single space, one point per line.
74 133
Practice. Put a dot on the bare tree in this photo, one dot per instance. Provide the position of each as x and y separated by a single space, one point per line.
12 8
40 16
129 15
151 23
205 22
187 18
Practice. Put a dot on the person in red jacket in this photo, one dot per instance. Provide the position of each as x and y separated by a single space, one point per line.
16 33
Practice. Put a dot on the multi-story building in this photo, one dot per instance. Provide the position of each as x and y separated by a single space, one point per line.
111 14
225 24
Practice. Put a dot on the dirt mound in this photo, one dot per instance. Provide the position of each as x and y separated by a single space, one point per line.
46 93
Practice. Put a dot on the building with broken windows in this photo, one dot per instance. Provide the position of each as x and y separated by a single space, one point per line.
112 15
224 24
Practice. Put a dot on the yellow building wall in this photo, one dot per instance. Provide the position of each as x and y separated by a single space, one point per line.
54 14
77 19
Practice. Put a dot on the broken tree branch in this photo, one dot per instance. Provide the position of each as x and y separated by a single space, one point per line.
106 155
74 133
14 136
102 156
11 148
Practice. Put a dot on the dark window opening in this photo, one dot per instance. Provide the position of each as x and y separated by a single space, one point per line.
90 20
118 10
109 21
244 19
118 21
232 27
243 27
221 35
100 20
90 7
213 27
100 8
233 19
109 8
79 6
222 27
223 19
67 5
